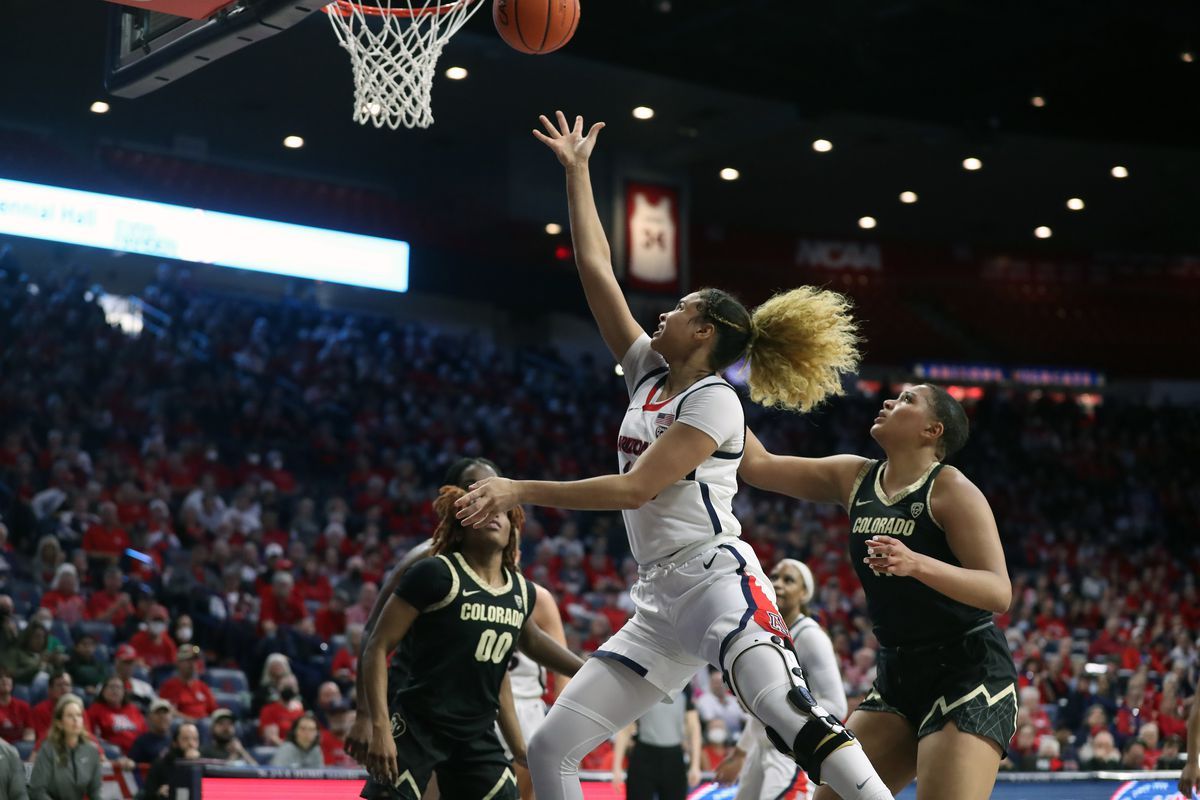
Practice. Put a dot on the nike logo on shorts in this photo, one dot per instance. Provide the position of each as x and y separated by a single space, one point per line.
711 560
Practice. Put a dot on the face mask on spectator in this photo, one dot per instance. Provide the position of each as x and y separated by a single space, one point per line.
288 694
716 736
183 635
158 628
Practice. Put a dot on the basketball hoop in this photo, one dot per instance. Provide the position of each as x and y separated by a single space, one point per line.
394 46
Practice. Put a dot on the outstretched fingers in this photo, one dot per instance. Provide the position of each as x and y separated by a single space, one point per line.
563 127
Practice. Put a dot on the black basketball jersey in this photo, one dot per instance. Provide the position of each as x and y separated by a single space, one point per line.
904 610
458 648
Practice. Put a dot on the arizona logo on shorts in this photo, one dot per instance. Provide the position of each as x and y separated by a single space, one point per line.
765 613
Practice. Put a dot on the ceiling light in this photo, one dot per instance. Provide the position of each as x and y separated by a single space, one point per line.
456 73
1119 172
972 164
1187 56
643 112
1042 232
730 174
553 228
100 107
866 223
908 197
293 142
822 145
1037 101
1075 204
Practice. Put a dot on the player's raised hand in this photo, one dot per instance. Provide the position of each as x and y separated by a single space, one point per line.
569 143
486 499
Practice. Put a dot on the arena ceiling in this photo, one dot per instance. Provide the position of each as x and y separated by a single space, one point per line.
904 90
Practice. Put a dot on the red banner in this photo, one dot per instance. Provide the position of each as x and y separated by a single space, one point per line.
652 237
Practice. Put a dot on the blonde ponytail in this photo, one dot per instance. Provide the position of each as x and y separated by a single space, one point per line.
801 344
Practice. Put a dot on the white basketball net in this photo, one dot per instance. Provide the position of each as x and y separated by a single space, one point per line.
394 53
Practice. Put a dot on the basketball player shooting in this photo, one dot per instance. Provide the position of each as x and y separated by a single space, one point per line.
701 597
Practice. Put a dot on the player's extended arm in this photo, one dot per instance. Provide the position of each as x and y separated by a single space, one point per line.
982 581
392 626
547 617
510 726
1189 779
593 256
545 651
818 480
673 455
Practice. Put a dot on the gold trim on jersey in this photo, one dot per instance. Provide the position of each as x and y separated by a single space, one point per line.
941 705
492 590
862 475
507 775
903 493
406 776
454 587
524 584
929 500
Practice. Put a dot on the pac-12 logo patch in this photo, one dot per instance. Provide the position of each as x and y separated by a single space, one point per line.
399 726
916 509
661 423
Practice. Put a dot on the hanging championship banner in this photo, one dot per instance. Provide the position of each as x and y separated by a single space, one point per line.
652 235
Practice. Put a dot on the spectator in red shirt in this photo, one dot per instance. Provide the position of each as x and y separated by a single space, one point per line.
154 645
333 738
43 712
106 540
110 604
280 607
191 696
16 718
345 662
64 600
277 717
114 718
331 620
313 585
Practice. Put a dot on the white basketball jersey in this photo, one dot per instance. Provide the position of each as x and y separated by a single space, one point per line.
699 506
528 679
652 255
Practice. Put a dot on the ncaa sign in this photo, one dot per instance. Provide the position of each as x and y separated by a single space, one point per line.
839 255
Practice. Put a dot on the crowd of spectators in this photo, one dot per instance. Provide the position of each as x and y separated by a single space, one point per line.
197 519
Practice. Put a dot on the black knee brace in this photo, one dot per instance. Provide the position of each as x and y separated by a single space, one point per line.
819 737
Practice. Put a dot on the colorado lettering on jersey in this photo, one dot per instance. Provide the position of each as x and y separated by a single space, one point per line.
890 526
630 446
487 613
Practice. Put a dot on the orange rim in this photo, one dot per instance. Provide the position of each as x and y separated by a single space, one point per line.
346 8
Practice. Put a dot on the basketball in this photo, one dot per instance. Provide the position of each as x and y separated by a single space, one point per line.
536 27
